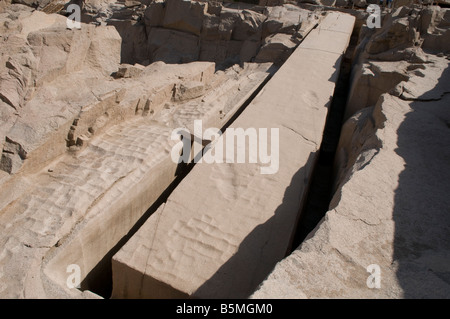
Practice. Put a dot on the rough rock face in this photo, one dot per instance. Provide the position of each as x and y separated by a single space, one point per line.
282 31
86 117
175 31
403 229
220 238
184 16
62 204
43 60
394 53
320 2
40 58
226 33
386 232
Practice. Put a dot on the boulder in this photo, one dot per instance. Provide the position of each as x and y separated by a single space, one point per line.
276 48
220 238
281 20
104 50
221 27
210 28
400 30
221 51
171 46
214 8
134 40
213 50
14 81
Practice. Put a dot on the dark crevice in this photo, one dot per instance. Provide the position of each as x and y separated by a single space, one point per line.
320 190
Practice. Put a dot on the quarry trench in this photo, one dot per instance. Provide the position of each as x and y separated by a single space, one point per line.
99 280
102 190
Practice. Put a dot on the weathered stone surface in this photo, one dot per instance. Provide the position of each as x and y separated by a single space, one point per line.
39 50
222 237
373 79
397 221
189 90
89 146
283 30
248 26
134 41
284 19
184 16
214 50
276 48
210 28
86 117
223 33
319 2
436 25
219 27
154 14
223 51
172 46
13 84
228 19
399 37
129 71
249 51
271 2
403 230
